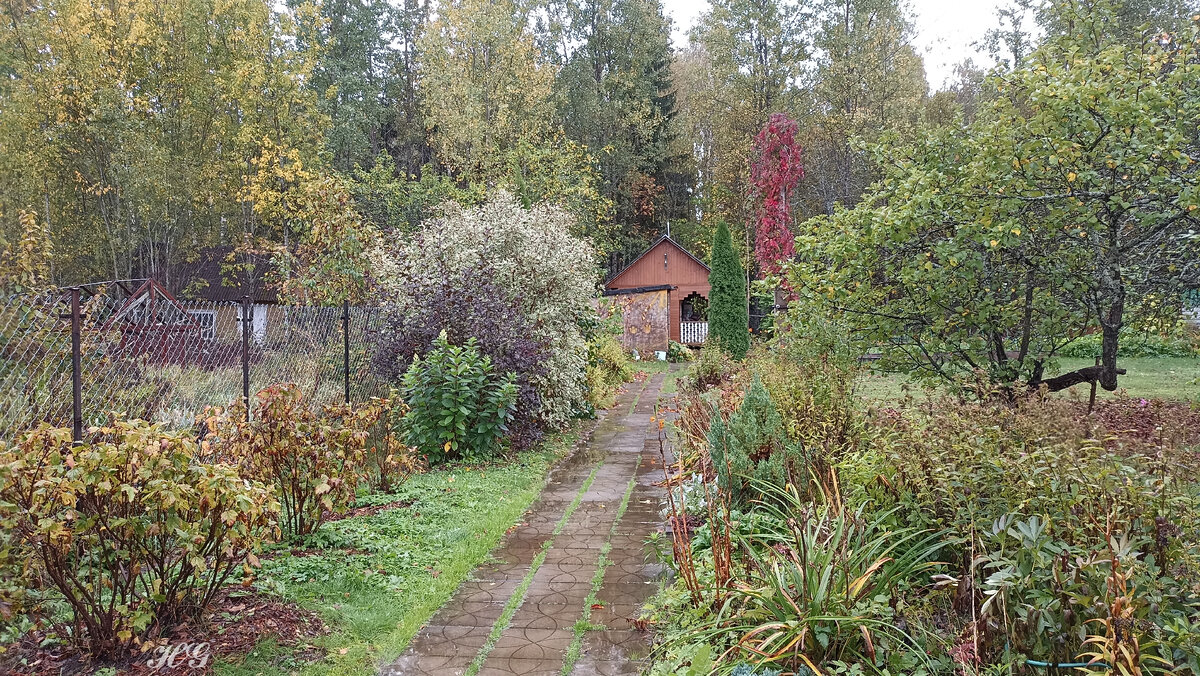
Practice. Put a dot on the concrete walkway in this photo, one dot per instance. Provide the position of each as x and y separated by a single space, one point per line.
576 563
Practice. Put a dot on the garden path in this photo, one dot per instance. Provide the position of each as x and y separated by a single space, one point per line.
577 562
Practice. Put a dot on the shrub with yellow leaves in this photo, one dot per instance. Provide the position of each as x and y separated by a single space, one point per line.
314 460
129 527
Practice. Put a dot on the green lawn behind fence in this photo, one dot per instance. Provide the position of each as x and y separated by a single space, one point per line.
1149 377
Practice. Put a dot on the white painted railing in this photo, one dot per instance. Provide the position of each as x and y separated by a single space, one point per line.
693 333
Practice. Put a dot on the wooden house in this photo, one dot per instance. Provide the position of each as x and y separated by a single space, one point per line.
145 320
217 279
668 276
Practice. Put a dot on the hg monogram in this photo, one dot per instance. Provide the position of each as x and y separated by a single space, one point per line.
194 655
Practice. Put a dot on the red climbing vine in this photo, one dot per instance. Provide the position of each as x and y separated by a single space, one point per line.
775 171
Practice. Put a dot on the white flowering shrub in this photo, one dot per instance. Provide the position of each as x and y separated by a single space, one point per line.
530 258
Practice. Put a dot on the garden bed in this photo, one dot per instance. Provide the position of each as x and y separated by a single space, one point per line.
377 576
349 596
831 533
238 621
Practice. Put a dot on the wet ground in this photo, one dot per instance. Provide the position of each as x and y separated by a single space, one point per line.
519 614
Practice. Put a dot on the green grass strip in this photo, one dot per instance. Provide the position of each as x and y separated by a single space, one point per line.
637 397
587 483
584 624
518 597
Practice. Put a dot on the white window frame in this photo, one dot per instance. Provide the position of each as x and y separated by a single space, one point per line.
207 319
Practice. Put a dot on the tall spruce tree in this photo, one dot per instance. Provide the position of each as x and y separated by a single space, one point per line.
615 96
728 318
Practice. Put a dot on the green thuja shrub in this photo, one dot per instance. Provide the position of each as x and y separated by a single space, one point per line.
728 317
458 407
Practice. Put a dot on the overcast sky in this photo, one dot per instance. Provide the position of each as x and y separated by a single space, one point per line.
945 30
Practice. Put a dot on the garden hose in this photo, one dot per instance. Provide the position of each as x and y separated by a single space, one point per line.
1066 665
1060 665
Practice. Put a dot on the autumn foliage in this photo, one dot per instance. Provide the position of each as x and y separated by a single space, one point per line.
315 460
130 528
775 172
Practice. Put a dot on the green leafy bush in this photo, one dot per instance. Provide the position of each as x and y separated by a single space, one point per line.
678 353
458 408
511 256
130 528
468 304
1150 345
314 460
608 367
711 368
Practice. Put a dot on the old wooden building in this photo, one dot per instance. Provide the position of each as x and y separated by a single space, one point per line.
666 290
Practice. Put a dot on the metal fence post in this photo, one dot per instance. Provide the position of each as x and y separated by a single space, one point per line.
246 354
76 367
346 346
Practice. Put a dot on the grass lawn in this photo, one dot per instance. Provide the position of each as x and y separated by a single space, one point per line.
1149 377
376 579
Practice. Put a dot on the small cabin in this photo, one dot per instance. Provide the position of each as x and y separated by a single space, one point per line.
218 279
666 290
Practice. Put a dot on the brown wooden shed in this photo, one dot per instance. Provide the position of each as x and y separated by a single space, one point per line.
668 265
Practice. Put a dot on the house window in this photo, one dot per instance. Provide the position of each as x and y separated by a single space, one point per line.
207 319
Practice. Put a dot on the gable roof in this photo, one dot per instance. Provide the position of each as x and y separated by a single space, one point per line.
151 306
660 240
223 274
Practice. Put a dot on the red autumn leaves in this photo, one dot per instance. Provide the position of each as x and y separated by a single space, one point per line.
775 171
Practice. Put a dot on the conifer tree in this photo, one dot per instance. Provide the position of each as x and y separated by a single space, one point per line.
728 318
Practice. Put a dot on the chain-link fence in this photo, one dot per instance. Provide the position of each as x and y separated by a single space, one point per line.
76 357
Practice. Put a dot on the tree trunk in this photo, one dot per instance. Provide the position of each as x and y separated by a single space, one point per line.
1110 309
1112 291
1083 375
1108 347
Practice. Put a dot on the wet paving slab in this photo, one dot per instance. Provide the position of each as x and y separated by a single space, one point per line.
518 613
